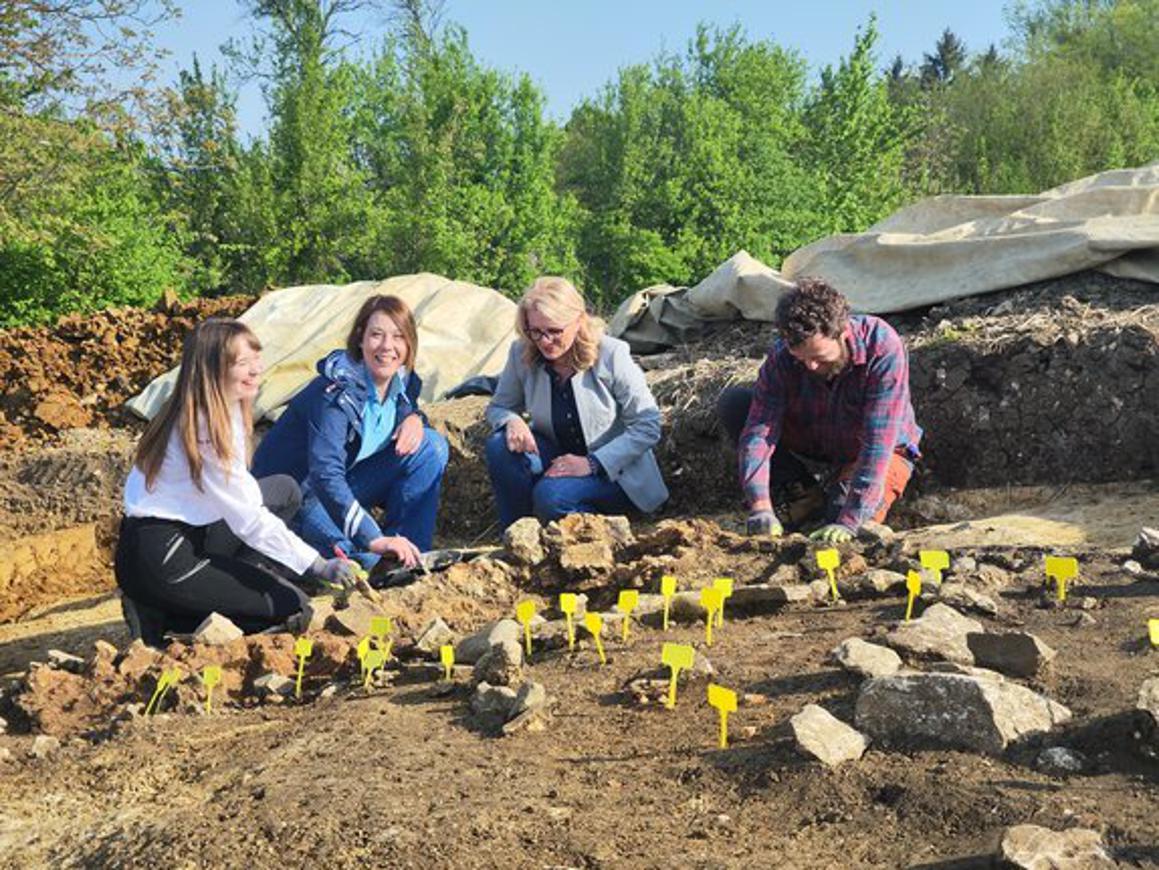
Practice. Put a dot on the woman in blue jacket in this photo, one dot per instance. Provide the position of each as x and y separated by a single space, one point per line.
355 440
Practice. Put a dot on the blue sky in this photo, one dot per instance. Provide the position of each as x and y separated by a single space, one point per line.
571 49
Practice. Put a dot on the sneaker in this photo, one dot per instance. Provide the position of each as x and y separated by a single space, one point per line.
145 623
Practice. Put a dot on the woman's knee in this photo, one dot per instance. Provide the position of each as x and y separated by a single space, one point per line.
436 447
549 500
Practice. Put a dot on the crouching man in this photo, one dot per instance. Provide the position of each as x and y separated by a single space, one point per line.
829 426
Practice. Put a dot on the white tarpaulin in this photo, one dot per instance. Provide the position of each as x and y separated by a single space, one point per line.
464 330
938 249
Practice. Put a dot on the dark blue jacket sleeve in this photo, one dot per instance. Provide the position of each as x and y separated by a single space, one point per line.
328 429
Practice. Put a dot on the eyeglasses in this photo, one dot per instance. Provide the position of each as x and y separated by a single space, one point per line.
538 335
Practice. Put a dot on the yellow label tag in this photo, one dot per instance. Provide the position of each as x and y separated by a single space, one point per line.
380 628
303 646
628 600
524 611
1153 628
723 585
677 656
169 677
829 559
913 586
723 700
710 600
363 648
935 561
374 660
447 657
594 623
210 677
567 603
667 589
1062 568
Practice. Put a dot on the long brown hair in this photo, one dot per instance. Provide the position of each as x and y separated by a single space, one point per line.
560 302
199 397
399 312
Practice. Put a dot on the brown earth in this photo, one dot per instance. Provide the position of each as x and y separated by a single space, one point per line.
404 776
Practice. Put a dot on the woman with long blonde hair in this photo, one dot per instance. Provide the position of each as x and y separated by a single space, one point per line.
197 535
587 445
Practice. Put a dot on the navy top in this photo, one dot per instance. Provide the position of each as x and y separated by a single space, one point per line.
569 435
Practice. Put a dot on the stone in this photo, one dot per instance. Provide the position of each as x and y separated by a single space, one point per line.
964 598
1134 569
138 660
686 607
530 696
269 685
502 665
471 648
701 666
875 533
523 541
66 661
825 737
1146 549
492 701
217 630
1059 761
354 619
940 632
1084 620
1036 848
767 594
963 565
990 576
1016 653
43 746
5 753
104 651
320 613
866 659
955 711
588 557
1149 698
881 582
434 635
3 725
820 591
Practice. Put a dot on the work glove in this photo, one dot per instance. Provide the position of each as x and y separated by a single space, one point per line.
338 573
834 533
763 524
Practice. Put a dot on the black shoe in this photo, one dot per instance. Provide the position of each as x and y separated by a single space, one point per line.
145 622
391 573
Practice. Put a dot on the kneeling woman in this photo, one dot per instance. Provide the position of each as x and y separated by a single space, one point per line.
355 439
594 421
196 526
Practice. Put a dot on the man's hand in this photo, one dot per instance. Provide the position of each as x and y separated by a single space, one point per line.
410 435
763 524
569 465
834 533
519 437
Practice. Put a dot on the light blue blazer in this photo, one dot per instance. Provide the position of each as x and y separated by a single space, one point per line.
617 412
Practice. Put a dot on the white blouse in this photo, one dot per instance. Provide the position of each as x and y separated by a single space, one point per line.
228 492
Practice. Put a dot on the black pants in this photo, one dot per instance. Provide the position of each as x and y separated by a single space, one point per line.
732 409
186 572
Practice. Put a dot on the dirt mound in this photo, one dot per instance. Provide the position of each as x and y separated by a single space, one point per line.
80 371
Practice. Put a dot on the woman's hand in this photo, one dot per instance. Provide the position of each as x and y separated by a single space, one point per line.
569 465
399 547
410 435
519 437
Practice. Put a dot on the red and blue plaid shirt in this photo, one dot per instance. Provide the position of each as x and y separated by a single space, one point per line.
863 415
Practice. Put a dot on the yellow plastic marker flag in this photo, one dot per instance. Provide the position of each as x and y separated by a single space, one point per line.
303 646
1062 569
169 677
374 660
828 560
524 611
936 561
210 677
667 589
363 648
628 601
724 586
380 628
594 623
678 656
913 585
710 600
1153 629
567 603
723 700
447 657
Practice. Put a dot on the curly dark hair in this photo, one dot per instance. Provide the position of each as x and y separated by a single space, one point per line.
810 308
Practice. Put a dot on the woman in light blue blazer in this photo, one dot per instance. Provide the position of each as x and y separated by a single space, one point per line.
593 420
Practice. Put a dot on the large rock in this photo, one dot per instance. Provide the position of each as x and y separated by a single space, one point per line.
769 594
963 597
1149 698
1017 653
1035 848
434 635
471 648
939 633
820 734
881 582
522 540
1146 549
354 619
493 701
530 696
502 665
217 630
587 557
958 711
866 659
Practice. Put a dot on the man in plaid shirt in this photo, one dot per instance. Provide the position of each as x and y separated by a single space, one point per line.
832 397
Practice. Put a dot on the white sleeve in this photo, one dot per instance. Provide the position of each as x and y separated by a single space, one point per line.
239 498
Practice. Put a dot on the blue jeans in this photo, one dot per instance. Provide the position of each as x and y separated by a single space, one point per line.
521 490
407 487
